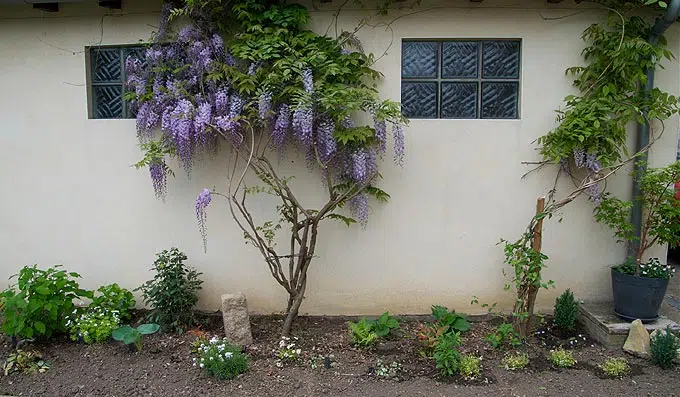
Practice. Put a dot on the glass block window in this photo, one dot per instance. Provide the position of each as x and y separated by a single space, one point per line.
106 81
460 79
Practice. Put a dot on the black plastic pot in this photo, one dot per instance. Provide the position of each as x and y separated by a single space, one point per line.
637 297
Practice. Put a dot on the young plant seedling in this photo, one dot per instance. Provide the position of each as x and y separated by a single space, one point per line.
129 335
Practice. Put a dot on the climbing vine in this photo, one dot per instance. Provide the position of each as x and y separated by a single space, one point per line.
589 143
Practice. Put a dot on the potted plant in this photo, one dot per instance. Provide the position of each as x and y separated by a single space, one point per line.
639 286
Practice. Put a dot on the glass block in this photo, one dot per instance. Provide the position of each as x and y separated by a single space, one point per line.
500 100
459 59
459 100
419 59
108 101
106 65
419 100
500 59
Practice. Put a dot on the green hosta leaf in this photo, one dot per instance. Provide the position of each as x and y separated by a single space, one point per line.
120 332
147 329
133 337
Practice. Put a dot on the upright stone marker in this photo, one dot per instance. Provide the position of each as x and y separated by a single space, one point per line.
236 319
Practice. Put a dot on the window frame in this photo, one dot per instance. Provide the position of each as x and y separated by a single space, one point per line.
479 80
91 83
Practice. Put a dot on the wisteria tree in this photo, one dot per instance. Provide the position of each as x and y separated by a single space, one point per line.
245 75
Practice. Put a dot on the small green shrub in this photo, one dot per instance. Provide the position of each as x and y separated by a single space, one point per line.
453 321
616 367
173 291
446 354
504 335
114 298
385 324
129 335
470 367
515 361
39 304
96 325
220 359
664 348
361 333
27 362
566 311
562 358
429 335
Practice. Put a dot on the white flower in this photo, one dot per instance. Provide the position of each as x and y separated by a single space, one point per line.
298 351
201 365
228 354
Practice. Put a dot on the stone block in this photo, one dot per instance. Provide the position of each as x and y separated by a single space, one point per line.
236 319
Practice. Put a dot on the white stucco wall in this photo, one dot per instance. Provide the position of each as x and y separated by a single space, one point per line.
70 196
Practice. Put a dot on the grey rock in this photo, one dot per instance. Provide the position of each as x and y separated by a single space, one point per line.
236 319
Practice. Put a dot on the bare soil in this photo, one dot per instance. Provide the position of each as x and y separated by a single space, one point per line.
164 367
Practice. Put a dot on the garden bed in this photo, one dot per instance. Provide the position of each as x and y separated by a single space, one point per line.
164 367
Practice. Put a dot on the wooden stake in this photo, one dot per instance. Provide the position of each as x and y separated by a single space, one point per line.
538 229
536 246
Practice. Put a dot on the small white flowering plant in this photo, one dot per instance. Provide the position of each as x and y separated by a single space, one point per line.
95 325
218 358
287 351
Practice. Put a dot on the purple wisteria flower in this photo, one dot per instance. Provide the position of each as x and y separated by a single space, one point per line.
308 81
326 141
181 129
398 134
347 122
188 34
147 119
595 193
202 202
281 126
222 101
303 124
579 157
359 173
371 162
592 163
201 122
380 132
264 104
359 208
229 122
218 45
157 169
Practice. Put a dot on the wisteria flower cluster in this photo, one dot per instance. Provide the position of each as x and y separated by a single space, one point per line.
590 162
179 89
287 351
218 358
96 325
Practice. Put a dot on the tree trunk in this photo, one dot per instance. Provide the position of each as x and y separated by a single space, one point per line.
294 306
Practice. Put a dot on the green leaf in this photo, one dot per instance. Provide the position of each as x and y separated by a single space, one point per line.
461 324
39 326
42 290
147 329
133 337
120 332
348 221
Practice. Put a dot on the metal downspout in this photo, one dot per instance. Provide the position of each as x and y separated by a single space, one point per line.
661 25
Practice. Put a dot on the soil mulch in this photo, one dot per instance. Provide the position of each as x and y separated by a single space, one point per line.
329 367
